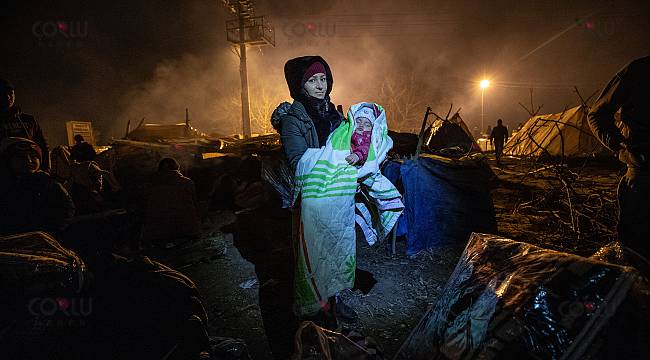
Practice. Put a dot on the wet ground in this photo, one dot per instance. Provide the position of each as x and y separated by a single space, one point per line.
531 205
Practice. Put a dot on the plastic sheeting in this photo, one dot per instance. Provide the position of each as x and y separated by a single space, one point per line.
315 342
512 300
445 201
40 293
36 257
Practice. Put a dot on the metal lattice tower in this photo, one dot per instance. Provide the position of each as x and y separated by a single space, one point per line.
246 29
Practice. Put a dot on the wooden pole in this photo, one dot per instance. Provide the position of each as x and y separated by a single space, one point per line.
424 124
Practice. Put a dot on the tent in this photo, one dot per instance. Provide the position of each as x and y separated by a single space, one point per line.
561 134
446 133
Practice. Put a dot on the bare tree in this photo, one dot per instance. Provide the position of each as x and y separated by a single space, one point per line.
263 102
403 100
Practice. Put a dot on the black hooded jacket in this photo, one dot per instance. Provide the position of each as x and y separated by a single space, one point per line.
629 91
307 122
15 123
294 69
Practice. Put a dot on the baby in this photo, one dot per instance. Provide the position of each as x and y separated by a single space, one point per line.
361 138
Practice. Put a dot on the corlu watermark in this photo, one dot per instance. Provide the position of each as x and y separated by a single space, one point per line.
60 311
60 32
316 29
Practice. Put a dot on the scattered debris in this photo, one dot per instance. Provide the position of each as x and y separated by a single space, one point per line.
248 283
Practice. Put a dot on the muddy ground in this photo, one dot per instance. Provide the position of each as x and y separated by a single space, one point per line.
563 207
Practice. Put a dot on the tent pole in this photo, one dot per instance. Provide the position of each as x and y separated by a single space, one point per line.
424 124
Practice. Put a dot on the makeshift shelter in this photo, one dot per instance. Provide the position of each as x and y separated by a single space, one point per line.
52 308
561 134
512 300
404 144
449 133
153 132
200 157
445 200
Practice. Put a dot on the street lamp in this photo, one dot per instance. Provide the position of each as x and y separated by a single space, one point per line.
485 83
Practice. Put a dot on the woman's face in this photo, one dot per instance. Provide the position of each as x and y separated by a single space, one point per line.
316 86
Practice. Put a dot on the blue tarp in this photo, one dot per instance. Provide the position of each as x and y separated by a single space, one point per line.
445 201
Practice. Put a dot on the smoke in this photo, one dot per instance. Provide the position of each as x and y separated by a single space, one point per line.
367 66
154 59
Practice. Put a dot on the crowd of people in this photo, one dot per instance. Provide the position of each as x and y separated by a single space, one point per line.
82 206
36 197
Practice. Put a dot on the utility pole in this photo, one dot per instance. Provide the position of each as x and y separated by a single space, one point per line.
243 74
251 30
482 112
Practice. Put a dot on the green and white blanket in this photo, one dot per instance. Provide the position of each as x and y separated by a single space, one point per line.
327 184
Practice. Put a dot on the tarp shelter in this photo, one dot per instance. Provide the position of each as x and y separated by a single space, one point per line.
447 133
40 285
512 300
128 309
562 134
445 200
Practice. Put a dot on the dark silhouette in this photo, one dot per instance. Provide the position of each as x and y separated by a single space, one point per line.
629 92
82 151
30 199
88 190
169 206
498 136
15 123
262 235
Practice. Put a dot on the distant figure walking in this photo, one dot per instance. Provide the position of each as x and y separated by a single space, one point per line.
629 92
498 136
82 151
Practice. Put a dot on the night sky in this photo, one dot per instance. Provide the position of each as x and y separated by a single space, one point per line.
109 62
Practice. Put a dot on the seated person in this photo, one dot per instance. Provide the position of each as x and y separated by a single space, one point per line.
87 190
169 207
82 151
30 199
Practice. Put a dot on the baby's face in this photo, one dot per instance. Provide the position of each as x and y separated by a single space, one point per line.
363 124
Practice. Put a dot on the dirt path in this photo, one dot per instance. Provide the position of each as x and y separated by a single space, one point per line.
233 311
405 289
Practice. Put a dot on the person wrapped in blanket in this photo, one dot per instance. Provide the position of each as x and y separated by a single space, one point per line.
378 204
303 125
360 144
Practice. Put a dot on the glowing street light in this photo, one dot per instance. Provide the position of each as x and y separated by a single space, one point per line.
484 84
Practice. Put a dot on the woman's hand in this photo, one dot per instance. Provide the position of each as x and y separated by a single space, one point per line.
352 159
